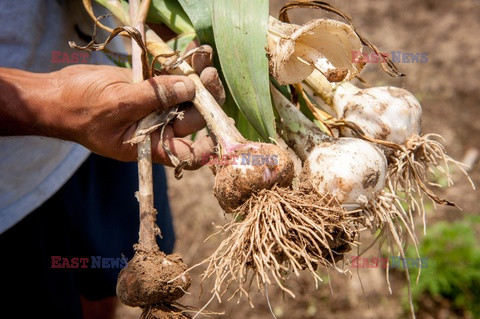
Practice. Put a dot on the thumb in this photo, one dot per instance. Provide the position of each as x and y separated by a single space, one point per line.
160 92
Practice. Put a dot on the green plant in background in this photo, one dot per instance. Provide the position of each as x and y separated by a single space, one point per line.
453 270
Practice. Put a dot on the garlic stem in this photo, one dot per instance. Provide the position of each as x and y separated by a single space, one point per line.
148 228
301 134
321 44
320 86
326 90
309 55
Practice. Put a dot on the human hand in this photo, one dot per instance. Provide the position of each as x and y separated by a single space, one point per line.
99 107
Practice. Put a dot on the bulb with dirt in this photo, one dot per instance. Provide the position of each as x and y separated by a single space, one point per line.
152 277
253 167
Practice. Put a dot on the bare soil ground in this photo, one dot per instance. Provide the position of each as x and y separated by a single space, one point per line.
447 86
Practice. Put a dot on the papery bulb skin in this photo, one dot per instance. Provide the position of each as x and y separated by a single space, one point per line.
352 170
383 113
324 44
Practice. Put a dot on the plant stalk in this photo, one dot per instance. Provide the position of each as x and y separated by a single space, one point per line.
301 134
319 84
148 228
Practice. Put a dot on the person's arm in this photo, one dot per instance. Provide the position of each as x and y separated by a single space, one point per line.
20 94
98 107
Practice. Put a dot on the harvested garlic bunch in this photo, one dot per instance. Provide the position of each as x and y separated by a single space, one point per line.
323 44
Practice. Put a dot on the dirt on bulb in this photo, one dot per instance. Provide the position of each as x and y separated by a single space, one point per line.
253 168
151 278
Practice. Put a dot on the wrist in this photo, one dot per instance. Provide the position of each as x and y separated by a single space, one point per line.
25 99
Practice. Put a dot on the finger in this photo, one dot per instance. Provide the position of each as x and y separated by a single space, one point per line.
202 59
194 153
192 45
119 150
191 122
211 81
160 92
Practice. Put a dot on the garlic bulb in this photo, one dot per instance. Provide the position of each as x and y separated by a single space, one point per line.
352 170
384 113
323 44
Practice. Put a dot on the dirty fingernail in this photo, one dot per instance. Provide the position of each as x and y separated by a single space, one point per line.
184 90
180 90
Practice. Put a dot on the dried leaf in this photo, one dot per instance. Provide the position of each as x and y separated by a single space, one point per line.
388 67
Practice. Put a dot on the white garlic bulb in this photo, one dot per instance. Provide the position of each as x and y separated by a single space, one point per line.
384 113
352 170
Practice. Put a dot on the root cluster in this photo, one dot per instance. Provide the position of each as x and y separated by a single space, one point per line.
277 233
164 311
421 158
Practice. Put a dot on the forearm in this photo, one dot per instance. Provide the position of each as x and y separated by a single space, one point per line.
98 107
24 99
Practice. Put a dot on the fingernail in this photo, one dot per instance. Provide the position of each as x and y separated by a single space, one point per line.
184 90
180 90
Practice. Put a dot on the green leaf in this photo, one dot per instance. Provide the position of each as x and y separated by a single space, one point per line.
240 30
119 8
242 124
199 12
181 42
170 13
